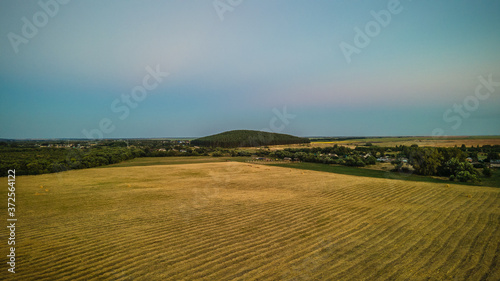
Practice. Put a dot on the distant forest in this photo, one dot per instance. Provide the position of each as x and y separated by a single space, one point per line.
247 138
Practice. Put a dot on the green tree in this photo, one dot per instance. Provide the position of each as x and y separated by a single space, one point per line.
462 171
492 156
425 161
487 172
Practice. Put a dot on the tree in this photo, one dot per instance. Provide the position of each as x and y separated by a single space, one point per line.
462 171
465 176
371 160
492 156
34 167
425 161
398 165
217 154
487 172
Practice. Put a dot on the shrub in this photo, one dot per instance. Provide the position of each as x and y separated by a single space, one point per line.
487 172
217 154
465 176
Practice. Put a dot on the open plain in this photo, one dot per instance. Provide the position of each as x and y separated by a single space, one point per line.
450 141
241 221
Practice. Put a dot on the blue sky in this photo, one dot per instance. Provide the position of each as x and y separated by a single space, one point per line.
235 68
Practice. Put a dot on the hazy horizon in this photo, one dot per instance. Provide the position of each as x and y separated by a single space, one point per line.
194 137
382 68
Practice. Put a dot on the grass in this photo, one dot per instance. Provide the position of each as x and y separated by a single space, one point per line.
494 181
151 161
242 221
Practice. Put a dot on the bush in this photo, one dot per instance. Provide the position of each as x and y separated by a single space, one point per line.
371 160
478 165
217 154
360 163
463 171
465 176
425 161
487 172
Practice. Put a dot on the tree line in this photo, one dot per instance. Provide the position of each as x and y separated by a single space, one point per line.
426 161
28 158
33 161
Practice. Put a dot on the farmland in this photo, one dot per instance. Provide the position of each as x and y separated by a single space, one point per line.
450 141
209 219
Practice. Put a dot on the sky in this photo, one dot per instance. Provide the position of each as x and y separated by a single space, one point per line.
147 69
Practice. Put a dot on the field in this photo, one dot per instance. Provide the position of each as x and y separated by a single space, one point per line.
166 219
381 170
408 141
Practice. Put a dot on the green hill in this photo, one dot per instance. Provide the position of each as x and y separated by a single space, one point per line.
247 138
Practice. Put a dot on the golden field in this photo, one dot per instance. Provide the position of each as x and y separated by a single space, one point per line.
240 221
408 141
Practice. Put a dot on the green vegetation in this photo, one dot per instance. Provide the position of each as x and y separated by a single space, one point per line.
33 161
361 172
424 161
154 161
247 138
487 172
446 162
52 156
493 181
330 155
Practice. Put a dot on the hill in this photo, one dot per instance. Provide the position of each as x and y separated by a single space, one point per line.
247 138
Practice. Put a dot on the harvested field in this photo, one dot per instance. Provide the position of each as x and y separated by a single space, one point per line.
408 141
239 221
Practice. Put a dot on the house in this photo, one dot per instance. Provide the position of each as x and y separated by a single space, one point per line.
382 159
